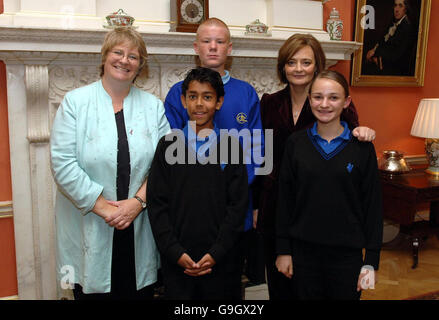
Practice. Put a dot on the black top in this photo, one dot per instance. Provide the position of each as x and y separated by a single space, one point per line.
333 201
276 114
123 270
196 208
123 159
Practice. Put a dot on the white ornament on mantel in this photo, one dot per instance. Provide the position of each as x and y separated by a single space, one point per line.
334 25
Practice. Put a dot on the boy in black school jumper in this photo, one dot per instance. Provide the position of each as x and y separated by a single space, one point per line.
197 204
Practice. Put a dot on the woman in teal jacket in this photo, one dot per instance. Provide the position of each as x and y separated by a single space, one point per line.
102 143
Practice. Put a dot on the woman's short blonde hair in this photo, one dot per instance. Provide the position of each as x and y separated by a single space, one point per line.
120 35
294 44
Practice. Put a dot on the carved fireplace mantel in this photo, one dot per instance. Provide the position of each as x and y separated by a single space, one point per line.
42 65
170 43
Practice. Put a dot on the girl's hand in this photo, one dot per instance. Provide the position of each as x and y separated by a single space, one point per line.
366 279
284 264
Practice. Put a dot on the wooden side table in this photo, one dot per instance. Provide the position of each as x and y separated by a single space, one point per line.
402 195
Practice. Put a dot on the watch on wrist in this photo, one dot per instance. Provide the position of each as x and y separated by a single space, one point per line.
143 203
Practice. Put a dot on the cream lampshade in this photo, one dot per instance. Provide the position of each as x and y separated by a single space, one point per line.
426 125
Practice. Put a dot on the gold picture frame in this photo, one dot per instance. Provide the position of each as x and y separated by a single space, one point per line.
372 26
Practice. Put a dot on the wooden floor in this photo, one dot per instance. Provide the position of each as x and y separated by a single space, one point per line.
396 278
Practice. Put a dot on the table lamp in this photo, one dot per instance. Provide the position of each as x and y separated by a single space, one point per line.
426 125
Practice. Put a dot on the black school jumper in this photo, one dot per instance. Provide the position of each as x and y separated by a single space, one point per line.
196 209
329 209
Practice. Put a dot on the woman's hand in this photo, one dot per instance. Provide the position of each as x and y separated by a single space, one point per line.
364 133
127 211
284 264
103 209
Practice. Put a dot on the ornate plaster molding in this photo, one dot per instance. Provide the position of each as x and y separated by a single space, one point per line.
37 94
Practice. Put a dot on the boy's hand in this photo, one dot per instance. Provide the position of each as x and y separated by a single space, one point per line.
255 218
187 263
205 266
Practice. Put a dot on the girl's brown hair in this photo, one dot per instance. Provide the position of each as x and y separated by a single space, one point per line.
348 114
332 75
120 35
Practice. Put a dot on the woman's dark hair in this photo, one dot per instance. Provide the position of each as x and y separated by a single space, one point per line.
292 45
204 75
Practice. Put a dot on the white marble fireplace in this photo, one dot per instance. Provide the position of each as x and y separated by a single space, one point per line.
44 60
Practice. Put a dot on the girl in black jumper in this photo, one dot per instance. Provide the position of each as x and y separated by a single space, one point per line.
329 205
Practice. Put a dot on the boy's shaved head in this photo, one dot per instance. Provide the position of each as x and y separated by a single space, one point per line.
212 45
214 22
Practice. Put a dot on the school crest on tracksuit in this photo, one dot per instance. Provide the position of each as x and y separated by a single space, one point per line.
241 118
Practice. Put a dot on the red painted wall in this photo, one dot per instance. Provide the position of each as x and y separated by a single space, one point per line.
5 171
390 111
8 273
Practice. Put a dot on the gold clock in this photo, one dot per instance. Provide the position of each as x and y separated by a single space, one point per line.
190 14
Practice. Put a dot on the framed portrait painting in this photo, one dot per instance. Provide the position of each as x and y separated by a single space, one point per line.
394 35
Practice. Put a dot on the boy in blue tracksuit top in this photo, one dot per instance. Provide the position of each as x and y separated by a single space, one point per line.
240 110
